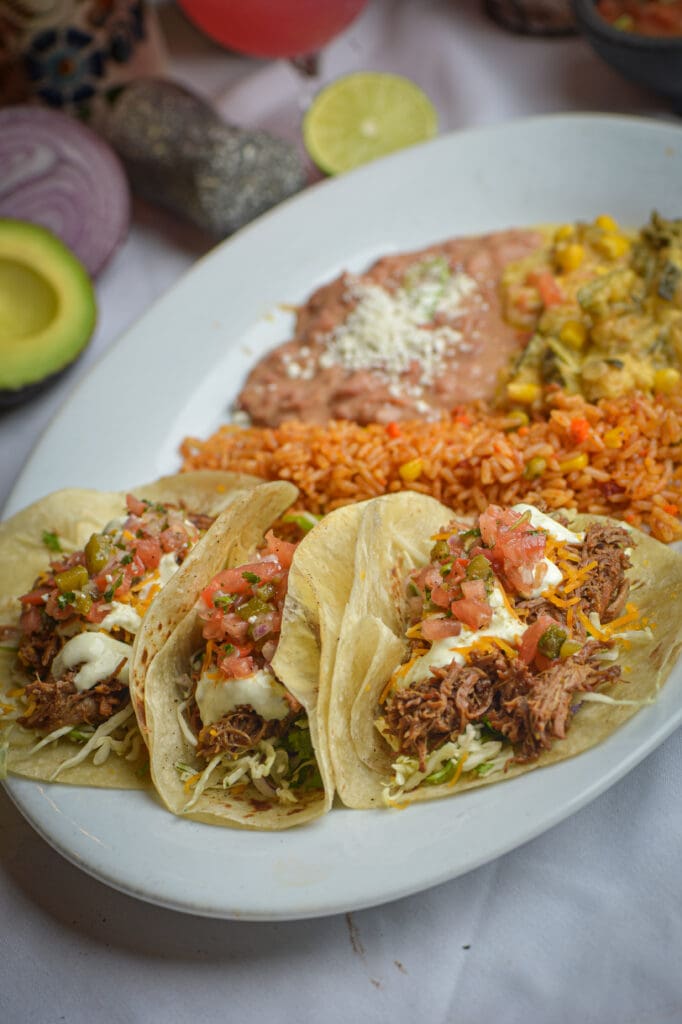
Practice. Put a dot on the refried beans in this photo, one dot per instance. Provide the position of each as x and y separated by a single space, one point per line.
416 335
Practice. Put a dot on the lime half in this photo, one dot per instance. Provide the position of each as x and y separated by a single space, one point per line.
365 115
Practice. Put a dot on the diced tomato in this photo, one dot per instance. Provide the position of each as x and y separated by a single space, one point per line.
427 578
473 613
214 625
237 665
580 429
490 521
235 628
546 284
135 506
31 620
98 611
35 596
54 611
474 590
234 581
436 629
441 596
523 567
529 641
458 572
282 549
515 548
148 550
173 539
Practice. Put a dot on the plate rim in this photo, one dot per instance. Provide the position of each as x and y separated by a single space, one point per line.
19 790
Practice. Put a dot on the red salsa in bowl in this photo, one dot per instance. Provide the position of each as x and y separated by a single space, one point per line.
643 17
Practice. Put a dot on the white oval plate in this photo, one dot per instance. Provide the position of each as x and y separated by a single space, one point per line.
198 342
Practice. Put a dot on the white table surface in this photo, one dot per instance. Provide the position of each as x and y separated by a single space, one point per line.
581 924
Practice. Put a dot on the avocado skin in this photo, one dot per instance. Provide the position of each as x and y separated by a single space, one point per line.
33 360
10 397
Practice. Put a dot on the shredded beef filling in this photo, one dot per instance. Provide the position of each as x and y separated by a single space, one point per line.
53 704
529 709
239 732
38 650
200 520
606 587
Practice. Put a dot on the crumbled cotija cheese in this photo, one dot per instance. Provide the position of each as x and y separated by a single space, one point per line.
391 331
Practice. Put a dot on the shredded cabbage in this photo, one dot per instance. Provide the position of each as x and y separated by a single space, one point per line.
102 742
266 768
484 756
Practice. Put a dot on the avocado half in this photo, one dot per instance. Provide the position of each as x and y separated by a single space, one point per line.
47 309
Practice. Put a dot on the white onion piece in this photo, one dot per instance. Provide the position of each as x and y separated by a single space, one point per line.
56 172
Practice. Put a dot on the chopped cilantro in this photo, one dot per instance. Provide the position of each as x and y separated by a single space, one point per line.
229 649
154 506
251 577
298 741
127 559
224 600
51 541
110 591
64 599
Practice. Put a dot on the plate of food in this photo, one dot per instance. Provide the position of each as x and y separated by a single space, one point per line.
402 592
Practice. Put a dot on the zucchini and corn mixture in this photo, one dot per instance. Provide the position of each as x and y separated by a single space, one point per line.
603 308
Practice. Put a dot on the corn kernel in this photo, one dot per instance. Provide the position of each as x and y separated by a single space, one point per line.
573 333
612 246
570 257
614 438
411 470
563 233
525 393
575 462
606 223
666 380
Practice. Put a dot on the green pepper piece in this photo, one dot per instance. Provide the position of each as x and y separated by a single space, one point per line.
266 591
470 537
534 467
74 578
479 568
255 606
97 552
440 550
82 602
443 774
551 641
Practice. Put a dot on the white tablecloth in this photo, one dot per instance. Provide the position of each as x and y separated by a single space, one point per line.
581 924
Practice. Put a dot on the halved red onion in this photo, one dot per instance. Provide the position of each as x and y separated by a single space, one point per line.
56 172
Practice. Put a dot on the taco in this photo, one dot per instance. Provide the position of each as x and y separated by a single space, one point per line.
81 570
235 702
474 652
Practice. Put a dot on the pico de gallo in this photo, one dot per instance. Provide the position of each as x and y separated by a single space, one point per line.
514 622
78 624
643 17
249 734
